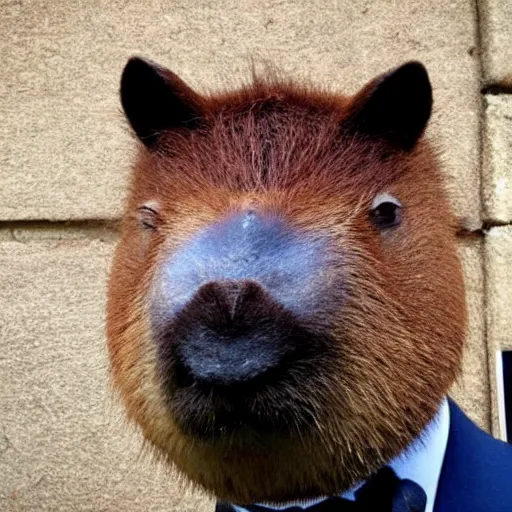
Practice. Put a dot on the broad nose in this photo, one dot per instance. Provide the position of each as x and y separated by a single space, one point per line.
229 306
232 332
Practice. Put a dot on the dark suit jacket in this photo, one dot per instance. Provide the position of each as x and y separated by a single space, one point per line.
477 470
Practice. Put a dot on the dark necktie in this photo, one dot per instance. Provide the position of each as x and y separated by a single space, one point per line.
383 492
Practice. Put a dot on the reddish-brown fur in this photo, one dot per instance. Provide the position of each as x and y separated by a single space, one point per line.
399 335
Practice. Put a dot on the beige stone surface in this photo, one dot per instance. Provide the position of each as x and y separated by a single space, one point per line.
63 446
472 388
496 30
64 151
497 158
498 260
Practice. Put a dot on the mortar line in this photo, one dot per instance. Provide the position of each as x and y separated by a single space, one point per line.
25 230
60 224
496 89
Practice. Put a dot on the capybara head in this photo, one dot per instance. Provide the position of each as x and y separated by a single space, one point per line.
286 307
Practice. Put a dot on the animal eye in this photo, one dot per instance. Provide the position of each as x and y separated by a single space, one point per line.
386 211
148 217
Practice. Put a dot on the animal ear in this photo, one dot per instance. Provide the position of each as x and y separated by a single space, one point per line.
395 106
154 100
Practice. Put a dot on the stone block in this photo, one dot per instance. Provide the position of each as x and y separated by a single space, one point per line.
471 390
63 444
65 150
496 29
497 159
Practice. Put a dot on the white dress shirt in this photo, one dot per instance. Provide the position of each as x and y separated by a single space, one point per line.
421 462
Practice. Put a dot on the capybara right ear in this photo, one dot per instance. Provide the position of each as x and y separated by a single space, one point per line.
156 100
395 106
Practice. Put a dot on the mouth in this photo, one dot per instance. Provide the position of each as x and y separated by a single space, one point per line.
270 404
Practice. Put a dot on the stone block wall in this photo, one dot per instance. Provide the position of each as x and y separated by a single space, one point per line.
65 153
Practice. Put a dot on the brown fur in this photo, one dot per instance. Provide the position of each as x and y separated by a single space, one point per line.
399 334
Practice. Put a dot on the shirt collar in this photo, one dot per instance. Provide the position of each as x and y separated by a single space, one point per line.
421 462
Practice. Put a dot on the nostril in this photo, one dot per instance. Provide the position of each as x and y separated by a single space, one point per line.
231 332
230 302
222 295
241 294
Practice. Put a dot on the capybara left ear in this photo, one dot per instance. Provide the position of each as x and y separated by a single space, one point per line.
156 100
395 106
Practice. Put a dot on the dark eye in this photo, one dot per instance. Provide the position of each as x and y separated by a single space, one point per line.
386 211
148 217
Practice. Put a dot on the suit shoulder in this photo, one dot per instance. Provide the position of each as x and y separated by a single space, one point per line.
477 469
